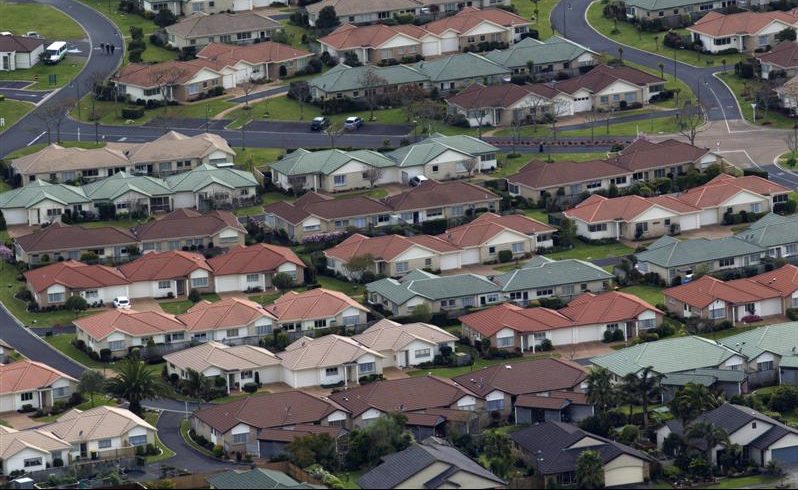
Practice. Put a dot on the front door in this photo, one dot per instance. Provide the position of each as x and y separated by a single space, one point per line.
83 450
181 287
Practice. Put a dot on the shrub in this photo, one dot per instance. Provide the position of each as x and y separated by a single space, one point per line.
545 346
792 313
194 296
105 355
505 256
132 112
218 451
250 387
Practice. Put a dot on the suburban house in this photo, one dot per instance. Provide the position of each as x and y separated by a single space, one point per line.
252 268
237 425
782 60
442 200
607 87
205 187
726 195
33 384
503 387
542 277
672 12
189 228
256 478
53 284
393 255
765 295
59 242
328 361
429 463
640 161
237 365
763 439
776 235
169 154
19 53
743 31
437 157
441 294
406 345
429 402
102 432
769 352
201 29
786 93
547 58
263 60
552 449
474 29
585 319
30 450
373 11
316 309
486 237
179 81
167 274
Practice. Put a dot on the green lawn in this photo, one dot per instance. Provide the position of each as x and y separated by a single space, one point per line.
744 91
63 343
354 290
265 298
178 307
664 125
48 21
166 453
294 33
64 71
537 214
526 9
650 294
585 251
744 482
478 364
628 34
12 111
111 112
257 157
349 478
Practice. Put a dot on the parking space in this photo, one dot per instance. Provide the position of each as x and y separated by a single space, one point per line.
8 84
304 127
185 123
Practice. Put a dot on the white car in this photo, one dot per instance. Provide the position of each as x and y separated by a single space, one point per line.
33 34
352 122
6 33
122 303
417 180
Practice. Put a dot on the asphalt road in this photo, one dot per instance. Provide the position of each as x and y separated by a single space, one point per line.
32 96
185 456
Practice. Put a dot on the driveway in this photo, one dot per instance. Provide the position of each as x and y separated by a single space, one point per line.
270 92
304 127
185 456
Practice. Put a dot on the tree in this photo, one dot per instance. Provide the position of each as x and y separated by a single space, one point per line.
567 234
335 129
134 382
791 140
282 281
661 70
163 78
498 450
370 81
408 95
373 175
765 97
194 295
328 18
423 314
589 470
313 449
592 117
692 400
786 34
165 18
641 387
247 86
600 392
386 435
3 225
76 304
52 115
300 91
91 382
94 83
359 264
690 119
710 434
196 384
620 54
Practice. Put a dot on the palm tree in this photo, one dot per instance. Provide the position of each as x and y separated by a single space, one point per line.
197 384
711 435
135 383
600 392
692 400
643 386
589 470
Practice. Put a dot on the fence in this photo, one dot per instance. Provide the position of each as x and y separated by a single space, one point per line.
86 469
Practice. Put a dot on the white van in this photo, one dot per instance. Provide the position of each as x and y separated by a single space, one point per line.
55 52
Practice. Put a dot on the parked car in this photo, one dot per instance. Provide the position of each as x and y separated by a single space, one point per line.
417 180
353 122
319 123
55 52
33 34
122 303
6 33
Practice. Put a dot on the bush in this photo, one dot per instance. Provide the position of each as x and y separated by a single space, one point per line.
545 346
792 313
250 387
218 451
132 112
505 256
194 296
105 355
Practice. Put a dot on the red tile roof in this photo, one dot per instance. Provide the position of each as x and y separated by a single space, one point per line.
387 247
599 209
188 223
260 257
28 375
470 17
480 96
150 75
258 53
603 76
132 322
313 203
538 174
74 275
371 36
156 266
715 24
609 307
642 154
488 225
432 194
312 304
58 236
724 186
784 55
227 313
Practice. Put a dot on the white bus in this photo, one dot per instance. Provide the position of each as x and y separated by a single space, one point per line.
55 52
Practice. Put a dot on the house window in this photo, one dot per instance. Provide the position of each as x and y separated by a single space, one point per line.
31 462
727 262
764 366
544 292
597 228
116 345
434 212
492 250
648 323
350 321
241 36
367 368
60 392
240 438
495 405
504 341
199 282
422 353
253 277
434 169
333 371
246 374
756 207
339 180
568 289
92 294
104 444
491 298
715 313
518 248
595 184
26 397
137 440
232 332
55 297
164 284
401 267
320 323
428 262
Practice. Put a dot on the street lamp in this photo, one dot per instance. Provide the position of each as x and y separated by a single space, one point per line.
753 110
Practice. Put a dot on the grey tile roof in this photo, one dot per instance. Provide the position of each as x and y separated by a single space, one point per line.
398 467
433 288
460 66
675 253
780 339
545 272
553 50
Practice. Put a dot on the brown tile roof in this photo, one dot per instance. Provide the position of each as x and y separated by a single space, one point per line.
132 322
432 194
28 375
13 442
609 307
312 304
402 395
260 257
21 44
174 146
301 430
644 155
555 400
204 25
504 95
148 75
724 186
354 7
58 236
372 36
227 313
541 175
326 207
784 55
538 376
183 223
155 266
258 53
55 157
322 352
470 17
488 225
602 76
273 410
74 275
715 24
225 357
599 209
386 247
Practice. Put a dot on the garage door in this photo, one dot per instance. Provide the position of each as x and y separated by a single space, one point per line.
449 262
786 455
626 475
430 48
582 104
239 5
450 45
470 256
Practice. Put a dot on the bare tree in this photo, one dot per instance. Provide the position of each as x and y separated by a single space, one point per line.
335 129
592 117
52 116
297 182
690 119
373 175
300 91
479 114
426 111
247 86
369 81
164 78
764 97
94 84
408 96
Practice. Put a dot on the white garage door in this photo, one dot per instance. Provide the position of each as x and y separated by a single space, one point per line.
582 104
449 262
430 48
470 256
627 475
226 284
709 217
261 3
239 5
450 45
228 81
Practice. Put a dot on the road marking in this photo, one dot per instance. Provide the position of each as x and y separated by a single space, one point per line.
123 138
745 152
34 140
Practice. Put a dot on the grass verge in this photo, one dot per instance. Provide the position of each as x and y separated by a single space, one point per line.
179 307
744 91
12 111
166 453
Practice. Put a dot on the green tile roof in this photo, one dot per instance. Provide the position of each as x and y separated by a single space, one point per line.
666 356
325 162
677 379
431 287
258 478
660 4
547 273
459 66
676 253
780 339
205 175
37 191
121 183
427 150
772 230
789 362
344 78
554 50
